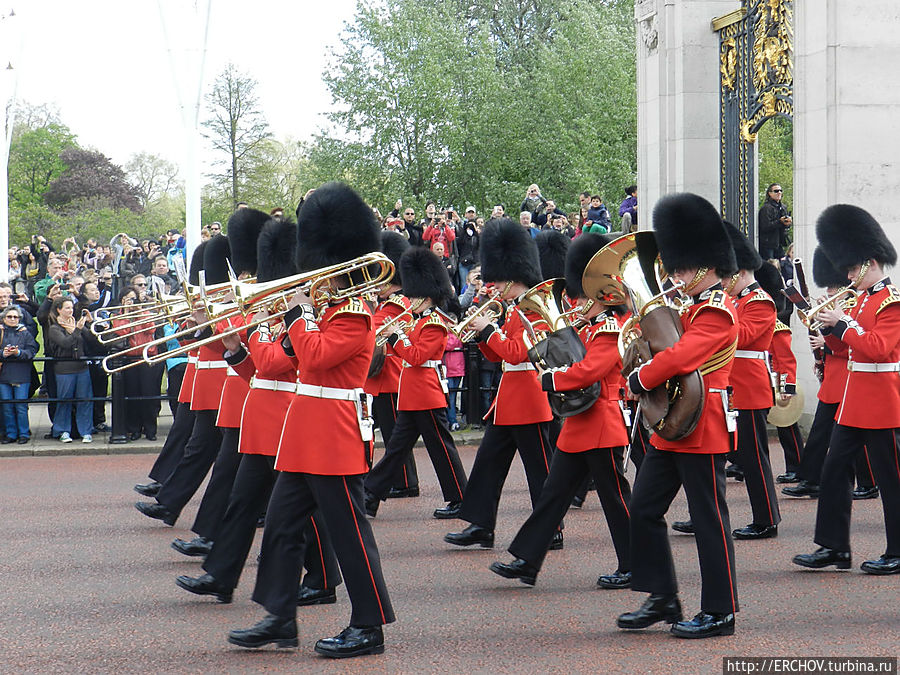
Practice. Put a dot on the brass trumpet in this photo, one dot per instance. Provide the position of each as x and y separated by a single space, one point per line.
836 301
492 309
404 320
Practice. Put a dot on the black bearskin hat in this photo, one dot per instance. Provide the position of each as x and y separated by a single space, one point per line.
197 263
850 235
580 253
745 255
334 225
394 245
508 253
552 246
424 275
215 260
769 278
824 273
275 250
244 227
690 234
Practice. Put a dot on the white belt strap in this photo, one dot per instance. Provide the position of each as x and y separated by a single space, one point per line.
211 365
273 385
427 364
317 391
747 354
512 367
855 366
192 359
231 372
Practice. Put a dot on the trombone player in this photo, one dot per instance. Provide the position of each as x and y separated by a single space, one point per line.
696 250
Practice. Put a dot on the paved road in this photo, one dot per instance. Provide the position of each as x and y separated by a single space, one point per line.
87 585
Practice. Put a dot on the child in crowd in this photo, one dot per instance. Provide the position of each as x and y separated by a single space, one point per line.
455 366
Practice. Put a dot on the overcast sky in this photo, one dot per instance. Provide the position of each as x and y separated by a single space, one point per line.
104 64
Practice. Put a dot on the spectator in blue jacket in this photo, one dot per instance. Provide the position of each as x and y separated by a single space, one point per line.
18 349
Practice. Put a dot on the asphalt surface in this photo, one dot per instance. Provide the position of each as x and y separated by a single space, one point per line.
87 585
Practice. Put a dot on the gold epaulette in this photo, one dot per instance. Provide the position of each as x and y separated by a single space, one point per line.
781 327
398 300
719 360
607 325
759 295
717 300
434 319
355 306
893 296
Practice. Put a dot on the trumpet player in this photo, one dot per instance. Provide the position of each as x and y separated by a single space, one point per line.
383 383
422 398
520 416
591 442
869 412
695 248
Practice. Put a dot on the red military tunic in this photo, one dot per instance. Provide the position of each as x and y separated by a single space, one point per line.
831 390
322 435
272 376
388 380
750 373
519 399
187 382
784 363
710 334
871 400
235 389
422 384
601 425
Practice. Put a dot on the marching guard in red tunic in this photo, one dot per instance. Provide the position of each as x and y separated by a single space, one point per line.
869 412
326 444
520 416
383 383
592 442
694 248
751 381
831 390
422 401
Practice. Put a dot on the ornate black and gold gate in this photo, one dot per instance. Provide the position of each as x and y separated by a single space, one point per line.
756 63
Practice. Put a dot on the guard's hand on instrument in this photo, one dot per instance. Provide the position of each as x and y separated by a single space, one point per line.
261 315
231 342
829 317
480 322
785 397
816 341
199 315
299 298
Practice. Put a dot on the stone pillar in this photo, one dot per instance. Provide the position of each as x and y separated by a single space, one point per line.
846 124
678 98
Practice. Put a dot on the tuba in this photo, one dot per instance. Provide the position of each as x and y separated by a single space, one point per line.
628 271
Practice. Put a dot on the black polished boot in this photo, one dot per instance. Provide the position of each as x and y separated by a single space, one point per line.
473 534
616 580
517 569
205 585
754 531
196 547
157 511
448 512
705 625
884 565
870 492
315 596
352 641
658 607
278 629
789 477
802 489
150 489
685 526
557 543
403 492
734 471
823 557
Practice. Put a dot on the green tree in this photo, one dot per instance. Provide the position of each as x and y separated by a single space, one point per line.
775 153
154 177
236 126
35 162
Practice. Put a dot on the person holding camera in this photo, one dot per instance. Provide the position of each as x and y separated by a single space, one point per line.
56 274
18 348
65 341
774 222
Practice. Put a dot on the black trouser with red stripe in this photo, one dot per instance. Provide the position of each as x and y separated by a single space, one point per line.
215 499
753 458
384 410
792 443
340 500
431 425
605 466
199 454
662 474
816 449
835 501
638 448
173 449
492 462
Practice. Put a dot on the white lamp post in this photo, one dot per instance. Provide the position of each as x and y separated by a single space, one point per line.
10 49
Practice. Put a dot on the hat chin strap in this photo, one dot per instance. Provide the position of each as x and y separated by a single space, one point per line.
863 270
733 282
698 277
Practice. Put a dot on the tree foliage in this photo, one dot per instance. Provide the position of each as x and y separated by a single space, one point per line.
90 175
35 161
473 100
775 152
153 176
236 126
